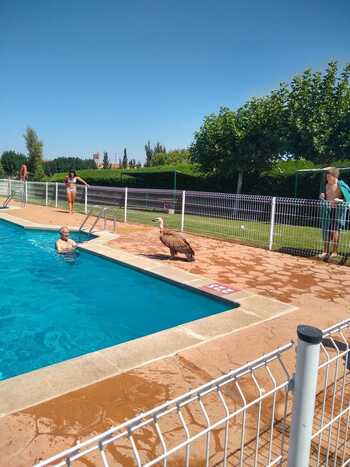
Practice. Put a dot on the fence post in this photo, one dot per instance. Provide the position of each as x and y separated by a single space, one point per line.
126 205
272 222
46 193
9 191
183 210
25 192
86 200
56 194
305 384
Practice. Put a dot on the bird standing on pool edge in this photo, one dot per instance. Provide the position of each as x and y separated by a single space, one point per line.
174 241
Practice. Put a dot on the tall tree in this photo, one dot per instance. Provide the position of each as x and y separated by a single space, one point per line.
158 148
149 154
176 156
125 159
35 154
106 163
215 143
11 162
261 131
245 141
2 172
318 115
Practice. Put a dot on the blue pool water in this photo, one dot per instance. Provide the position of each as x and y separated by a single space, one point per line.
53 309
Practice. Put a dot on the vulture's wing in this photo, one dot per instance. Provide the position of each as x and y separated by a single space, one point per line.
176 242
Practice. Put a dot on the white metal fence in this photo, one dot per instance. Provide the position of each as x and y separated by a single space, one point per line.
296 226
258 415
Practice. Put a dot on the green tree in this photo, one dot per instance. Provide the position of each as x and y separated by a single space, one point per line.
158 148
262 140
149 154
35 154
318 115
106 163
2 172
246 141
176 156
11 162
216 142
125 159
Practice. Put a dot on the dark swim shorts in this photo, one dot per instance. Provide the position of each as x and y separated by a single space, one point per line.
334 221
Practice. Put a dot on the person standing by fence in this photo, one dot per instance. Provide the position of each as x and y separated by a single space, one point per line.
333 211
23 173
71 188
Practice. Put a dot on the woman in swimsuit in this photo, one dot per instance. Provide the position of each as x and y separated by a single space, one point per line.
71 186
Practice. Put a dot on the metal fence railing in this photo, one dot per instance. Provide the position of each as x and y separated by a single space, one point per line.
236 418
261 414
296 226
330 435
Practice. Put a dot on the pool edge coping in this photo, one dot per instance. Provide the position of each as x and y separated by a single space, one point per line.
78 372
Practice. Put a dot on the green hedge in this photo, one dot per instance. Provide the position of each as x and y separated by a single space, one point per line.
104 177
279 181
187 177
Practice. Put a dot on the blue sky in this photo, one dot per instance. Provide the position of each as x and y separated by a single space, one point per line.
101 75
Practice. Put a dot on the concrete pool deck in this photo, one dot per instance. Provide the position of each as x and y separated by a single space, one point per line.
309 291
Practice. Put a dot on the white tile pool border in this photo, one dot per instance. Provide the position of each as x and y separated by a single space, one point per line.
43 384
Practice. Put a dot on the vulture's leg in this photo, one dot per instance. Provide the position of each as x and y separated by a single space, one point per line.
172 253
189 257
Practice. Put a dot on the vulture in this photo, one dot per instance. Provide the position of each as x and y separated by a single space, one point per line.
174 241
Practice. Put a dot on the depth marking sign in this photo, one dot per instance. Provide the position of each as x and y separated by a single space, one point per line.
219 289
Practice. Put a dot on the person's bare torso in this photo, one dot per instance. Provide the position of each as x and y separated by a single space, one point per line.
332 192
65 245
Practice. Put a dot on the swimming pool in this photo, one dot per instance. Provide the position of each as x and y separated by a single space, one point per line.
54 308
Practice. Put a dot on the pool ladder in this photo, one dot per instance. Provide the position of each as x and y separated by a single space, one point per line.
17 192
102 210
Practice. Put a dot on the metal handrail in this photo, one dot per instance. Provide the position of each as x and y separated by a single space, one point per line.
88 216
114 217
102 213
97 219
17 190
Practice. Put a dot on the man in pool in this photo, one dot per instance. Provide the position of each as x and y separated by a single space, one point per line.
65 244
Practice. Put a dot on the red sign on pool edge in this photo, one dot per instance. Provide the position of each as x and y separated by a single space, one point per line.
219 289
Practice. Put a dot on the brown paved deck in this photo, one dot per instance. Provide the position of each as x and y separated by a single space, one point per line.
321 291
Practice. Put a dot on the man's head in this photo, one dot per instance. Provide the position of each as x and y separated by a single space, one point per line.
332 174
64 232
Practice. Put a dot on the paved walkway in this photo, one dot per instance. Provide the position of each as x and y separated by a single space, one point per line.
320 290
